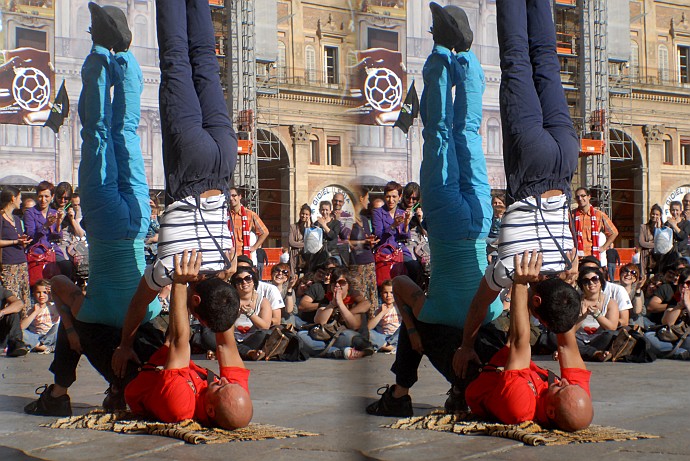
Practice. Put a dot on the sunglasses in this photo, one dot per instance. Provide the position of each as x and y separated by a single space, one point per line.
413 197
65 197
245 279
590 280
283 272
341 282
629 272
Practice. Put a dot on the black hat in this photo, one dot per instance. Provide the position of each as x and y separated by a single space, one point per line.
451 28
109 27
121 21
245 259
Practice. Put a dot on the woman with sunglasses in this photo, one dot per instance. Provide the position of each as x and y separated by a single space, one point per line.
664 340
285 281
630 280
255 311
349 308
598 316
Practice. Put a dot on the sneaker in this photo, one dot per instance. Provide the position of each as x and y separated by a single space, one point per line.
351 353
388 405
455 403
47 405
114 401
18 352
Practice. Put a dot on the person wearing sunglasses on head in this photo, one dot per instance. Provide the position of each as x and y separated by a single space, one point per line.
598 316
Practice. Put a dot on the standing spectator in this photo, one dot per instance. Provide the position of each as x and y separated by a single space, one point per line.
10 328
411 203
646 241
390 223
261 261
346 220
613 260
284 256
40 325
296 239
71 228
242 223
498 203
331 229
680 228
589 224
27 203
686 207
635 259
151 239
13 240
44 224
362 240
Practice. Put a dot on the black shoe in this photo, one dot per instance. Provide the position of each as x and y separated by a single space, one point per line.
388 405
118 16
20 351
456 403
47 405
103 28
114 401
451 28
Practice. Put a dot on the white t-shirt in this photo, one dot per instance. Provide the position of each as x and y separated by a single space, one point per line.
618 293
272 293
590 321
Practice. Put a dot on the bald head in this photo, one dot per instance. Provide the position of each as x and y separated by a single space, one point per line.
572 409
231 407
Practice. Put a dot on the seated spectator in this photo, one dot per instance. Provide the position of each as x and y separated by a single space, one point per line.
665 339
385 324
665 296
255 311
348 309
40 325
285 281
614 291
10 328
315 294
598 316
630 281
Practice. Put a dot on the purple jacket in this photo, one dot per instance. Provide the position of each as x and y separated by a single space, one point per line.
382 222
34 224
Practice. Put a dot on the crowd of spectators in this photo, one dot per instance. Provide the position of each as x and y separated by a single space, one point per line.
335 299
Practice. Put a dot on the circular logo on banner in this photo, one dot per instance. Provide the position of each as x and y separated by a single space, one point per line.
676 195
383 89
326 194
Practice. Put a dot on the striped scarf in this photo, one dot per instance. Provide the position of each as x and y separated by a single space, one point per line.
595 233
245 232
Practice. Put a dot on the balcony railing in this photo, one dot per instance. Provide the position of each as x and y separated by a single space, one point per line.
80 47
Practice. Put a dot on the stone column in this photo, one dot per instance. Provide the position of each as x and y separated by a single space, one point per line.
654 158
299 173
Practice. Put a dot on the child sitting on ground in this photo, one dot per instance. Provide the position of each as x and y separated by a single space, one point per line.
40 325
384 326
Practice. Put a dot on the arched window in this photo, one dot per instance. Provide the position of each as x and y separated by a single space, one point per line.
663 64
315 150
310 64
141 32
668 150
493 136
634 61
281 67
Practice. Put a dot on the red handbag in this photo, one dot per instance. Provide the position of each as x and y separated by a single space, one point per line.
41 265
386 261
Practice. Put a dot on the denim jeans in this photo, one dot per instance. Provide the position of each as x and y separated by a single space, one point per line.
540 146
199 143
348 338
662 348
48 339
378 339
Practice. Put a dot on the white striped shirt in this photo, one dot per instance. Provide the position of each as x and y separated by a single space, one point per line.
526 227
186 227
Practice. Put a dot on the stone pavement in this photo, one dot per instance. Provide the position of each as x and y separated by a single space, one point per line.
329 396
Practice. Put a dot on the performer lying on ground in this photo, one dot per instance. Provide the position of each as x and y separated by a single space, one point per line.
116 215
199 155
171 387
540 152
457 210
513 389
